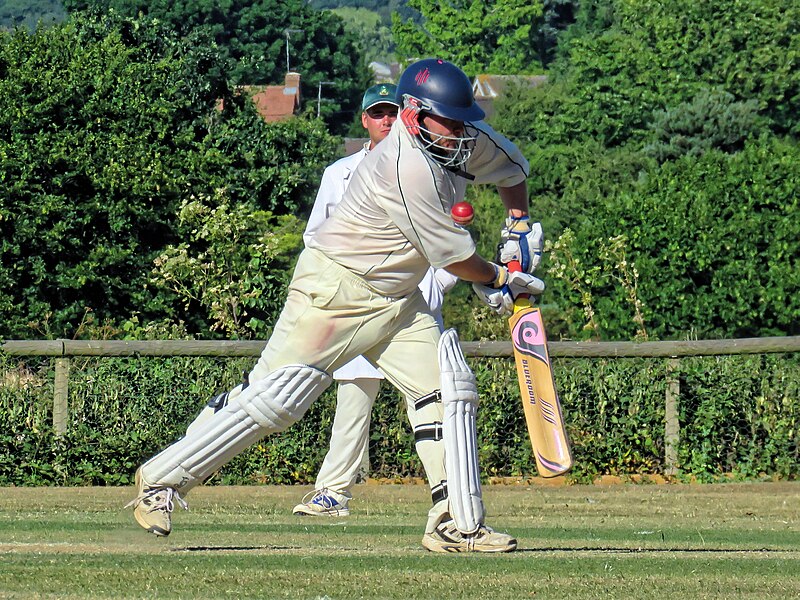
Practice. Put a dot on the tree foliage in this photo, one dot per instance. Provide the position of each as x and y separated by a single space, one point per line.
234 264
252 36
653 58
712 119
495 37
375 37
383 8
107 124
657 150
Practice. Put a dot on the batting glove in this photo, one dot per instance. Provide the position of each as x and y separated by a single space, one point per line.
521 241
500 293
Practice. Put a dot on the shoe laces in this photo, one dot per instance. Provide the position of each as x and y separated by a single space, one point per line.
322 498
448 529
160 499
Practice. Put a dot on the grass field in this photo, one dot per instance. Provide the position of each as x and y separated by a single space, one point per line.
620 541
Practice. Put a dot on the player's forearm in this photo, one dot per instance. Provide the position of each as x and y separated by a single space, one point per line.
474 269
515 199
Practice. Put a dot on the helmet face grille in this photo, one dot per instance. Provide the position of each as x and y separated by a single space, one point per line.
449 151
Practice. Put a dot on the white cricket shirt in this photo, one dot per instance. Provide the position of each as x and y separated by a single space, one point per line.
393 221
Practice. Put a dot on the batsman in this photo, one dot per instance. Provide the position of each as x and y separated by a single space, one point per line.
355 292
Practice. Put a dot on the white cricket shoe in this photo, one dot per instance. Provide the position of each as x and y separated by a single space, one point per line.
322 503
447 538
153 506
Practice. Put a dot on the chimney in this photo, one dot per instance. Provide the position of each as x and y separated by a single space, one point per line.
291 85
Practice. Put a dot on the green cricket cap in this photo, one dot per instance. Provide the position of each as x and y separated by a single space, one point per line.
383 93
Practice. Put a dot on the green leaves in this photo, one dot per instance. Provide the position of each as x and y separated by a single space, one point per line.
712 119
250 37
107 125
479 37
738 415
713 240
231 257
667 124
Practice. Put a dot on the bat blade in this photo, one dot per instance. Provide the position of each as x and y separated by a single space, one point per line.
540 402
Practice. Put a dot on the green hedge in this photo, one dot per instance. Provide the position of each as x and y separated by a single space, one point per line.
739 415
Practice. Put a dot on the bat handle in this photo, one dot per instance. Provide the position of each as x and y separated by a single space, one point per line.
521 301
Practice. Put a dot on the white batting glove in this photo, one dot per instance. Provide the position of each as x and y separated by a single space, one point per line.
521 241
500 294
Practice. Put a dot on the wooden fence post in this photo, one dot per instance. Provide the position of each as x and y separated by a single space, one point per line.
672 426
61 397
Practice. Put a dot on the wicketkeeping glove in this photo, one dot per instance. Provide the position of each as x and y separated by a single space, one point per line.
500 294
521 241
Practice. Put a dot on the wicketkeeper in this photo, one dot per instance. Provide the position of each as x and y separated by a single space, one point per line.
354 292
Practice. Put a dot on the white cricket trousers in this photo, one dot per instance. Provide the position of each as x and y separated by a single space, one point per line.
349 434
330 317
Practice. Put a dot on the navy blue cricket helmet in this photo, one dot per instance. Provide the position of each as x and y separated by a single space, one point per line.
441 88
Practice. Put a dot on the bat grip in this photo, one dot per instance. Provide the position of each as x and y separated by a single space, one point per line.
513 267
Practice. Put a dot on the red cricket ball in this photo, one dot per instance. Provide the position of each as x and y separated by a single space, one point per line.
462 213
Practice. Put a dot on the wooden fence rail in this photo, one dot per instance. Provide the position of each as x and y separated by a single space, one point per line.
677 349
62 350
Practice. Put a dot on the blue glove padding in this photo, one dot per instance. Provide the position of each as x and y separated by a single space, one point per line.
522 242
500 294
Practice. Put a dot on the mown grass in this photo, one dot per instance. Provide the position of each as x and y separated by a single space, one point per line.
621 541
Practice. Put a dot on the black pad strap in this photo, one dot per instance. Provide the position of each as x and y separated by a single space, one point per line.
439 492
421 403
428 432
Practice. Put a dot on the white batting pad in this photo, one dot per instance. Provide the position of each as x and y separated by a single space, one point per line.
460 403
267 406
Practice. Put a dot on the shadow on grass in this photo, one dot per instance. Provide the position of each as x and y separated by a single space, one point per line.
605 550
232 548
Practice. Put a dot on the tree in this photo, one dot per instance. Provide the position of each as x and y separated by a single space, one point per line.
636 58
661 142
479 37
252 36
106 125
383 8
375 38
233 265
712 119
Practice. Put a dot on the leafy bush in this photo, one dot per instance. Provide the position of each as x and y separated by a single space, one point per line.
646 57
713 244
235 264
713 119
738 415
106 125
91 124
251 38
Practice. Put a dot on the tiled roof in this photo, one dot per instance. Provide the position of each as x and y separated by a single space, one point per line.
275 102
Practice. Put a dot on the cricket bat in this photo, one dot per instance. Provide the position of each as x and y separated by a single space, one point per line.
537 388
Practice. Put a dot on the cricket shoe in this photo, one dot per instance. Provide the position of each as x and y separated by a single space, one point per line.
447 538
322 503
154 505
